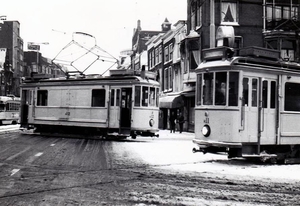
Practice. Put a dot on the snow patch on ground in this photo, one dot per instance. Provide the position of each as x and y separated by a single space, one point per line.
173 151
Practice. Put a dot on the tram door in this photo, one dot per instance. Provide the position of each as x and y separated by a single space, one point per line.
114 108
125 110
259 108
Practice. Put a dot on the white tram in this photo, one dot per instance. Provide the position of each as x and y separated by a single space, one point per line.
248 106
9 109
122 104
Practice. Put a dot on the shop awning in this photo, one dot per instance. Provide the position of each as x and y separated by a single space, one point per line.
174 101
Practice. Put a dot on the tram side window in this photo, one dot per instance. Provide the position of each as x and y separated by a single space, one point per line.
2 107
42 98
208 88
254 92
273 95
245 92
220 88
233 88
199 86
157 97
152 97
118 97
292 97
98 98
265 94
11 106
112 97
137 96
145 96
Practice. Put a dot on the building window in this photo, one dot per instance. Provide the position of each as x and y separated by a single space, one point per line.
156 56
166 53
229 13
152 58
160 54
287 47
196 14
170 78
171 52
98 98
278 12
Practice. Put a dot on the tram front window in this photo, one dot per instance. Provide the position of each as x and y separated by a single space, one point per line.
2 107
220 91
208 88
219 88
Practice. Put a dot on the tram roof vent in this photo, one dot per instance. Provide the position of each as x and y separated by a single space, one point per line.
260 52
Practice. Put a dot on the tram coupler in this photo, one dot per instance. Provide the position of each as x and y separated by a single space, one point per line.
196 150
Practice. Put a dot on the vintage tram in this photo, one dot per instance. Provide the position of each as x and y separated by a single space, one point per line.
9 109
248 105
119 105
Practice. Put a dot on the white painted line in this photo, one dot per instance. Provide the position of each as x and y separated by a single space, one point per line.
14 171
38 154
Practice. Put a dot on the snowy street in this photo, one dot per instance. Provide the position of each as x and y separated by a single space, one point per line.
177 155
49 170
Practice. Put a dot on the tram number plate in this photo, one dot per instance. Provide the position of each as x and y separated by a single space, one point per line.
206 120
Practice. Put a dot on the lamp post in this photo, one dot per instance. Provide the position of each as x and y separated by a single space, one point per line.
36 47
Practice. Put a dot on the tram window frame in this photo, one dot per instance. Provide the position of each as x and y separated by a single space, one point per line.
118 97
291 97
145 96
2 107
273 95
265 92
152 97
157 97
233 89
254 92
208 88
98 97
246 92
199 89
42 98
112 97
220 90
137 96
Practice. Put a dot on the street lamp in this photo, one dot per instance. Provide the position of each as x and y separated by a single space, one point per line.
36 47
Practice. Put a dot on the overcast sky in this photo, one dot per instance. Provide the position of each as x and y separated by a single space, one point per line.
111 22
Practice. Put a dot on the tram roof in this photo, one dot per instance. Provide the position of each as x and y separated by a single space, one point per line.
251 60
89 80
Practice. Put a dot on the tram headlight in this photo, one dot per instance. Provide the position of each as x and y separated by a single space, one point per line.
206 130
151 122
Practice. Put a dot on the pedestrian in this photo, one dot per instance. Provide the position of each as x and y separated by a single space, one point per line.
180 122
172 120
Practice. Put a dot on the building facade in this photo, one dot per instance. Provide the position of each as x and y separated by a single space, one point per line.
35 63
11 74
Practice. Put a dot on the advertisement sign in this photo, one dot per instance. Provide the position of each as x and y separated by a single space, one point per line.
32 46
2 57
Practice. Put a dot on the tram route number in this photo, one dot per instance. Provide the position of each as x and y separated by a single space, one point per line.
206 120
151 116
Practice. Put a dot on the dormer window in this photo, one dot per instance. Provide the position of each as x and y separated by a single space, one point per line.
229 13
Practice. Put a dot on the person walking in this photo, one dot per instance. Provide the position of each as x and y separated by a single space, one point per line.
180 122
172 120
